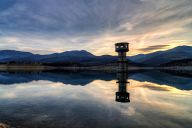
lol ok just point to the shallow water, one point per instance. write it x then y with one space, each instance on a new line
88 99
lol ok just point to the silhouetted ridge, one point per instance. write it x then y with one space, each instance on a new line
161 57
83 57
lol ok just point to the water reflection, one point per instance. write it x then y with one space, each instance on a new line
122 95
53 100
85 77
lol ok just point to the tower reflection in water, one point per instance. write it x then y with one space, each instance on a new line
122 72
122 95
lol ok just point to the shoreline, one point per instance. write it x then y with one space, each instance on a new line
92 68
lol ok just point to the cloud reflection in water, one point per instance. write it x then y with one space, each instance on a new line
93 105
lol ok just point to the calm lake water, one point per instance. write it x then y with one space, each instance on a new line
88 100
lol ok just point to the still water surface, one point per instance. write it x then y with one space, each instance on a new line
88 100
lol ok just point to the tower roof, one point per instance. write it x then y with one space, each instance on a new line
122 43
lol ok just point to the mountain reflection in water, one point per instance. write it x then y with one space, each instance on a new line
85 77
88 99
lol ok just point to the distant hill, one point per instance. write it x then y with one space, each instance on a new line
67 58
162 57
82 57
11 55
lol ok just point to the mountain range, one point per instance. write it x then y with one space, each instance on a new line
85 58
163 57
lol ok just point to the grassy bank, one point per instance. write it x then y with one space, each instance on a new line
43 68
93 68
24 67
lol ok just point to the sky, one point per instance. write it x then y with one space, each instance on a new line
49 26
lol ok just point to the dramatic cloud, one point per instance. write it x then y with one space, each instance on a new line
45 26
154 47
